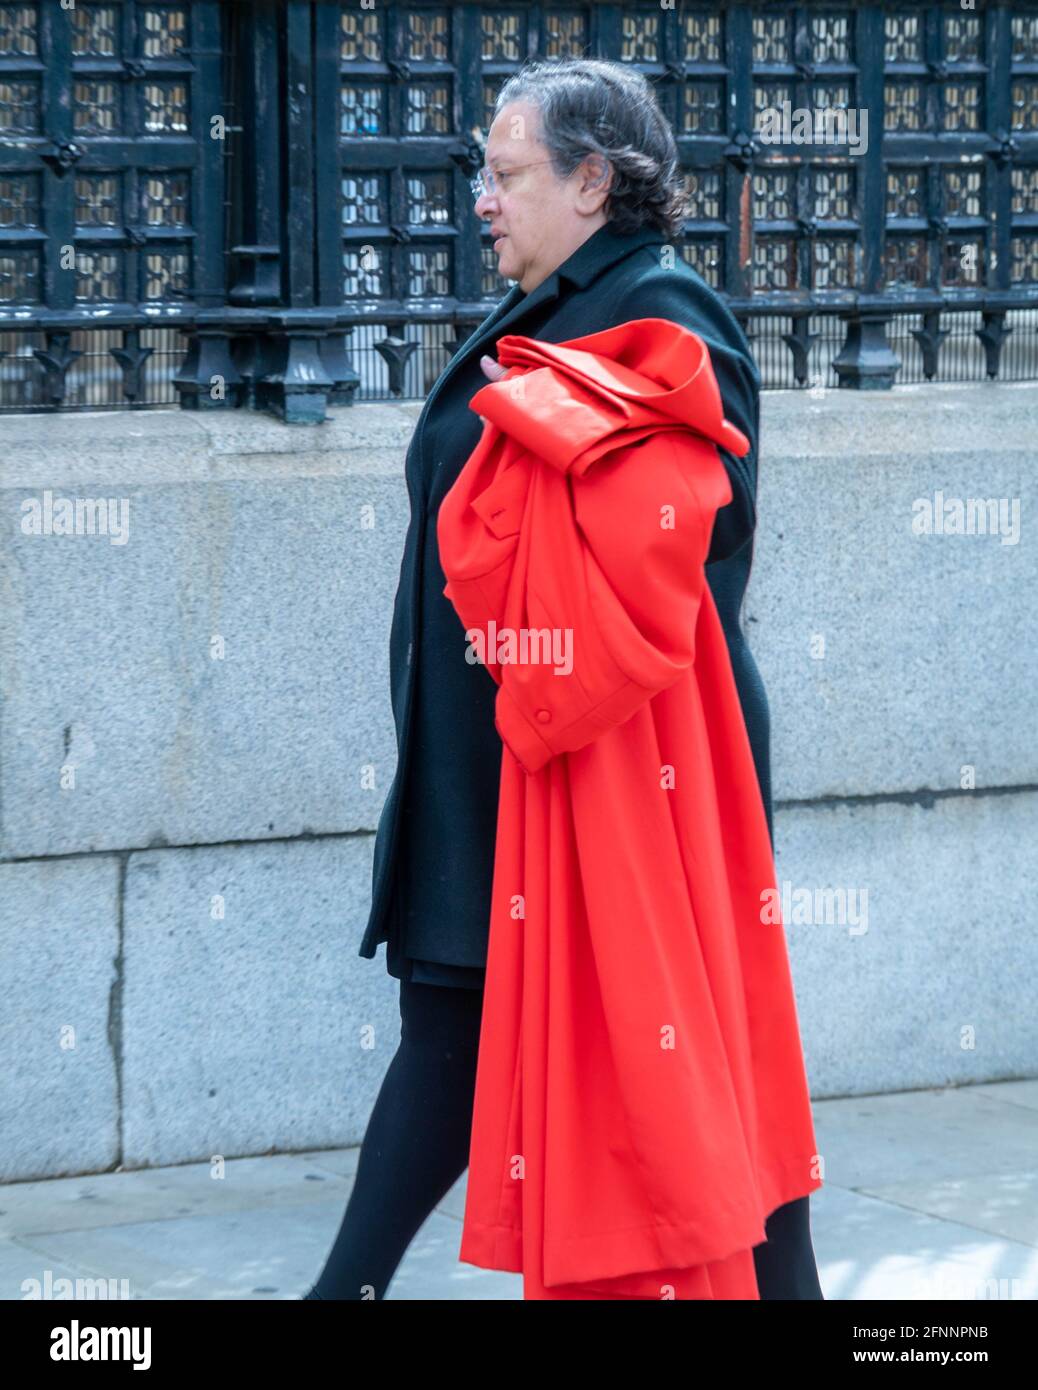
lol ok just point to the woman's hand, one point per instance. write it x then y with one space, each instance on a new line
492 369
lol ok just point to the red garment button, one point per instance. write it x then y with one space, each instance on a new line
543 716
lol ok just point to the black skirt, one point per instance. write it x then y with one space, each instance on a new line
406 907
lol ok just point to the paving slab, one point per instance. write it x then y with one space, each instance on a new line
928 1195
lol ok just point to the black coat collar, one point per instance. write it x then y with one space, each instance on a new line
602 249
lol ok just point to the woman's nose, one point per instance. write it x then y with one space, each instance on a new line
484 203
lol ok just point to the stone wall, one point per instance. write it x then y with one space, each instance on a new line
196 740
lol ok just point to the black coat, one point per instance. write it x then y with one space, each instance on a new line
434 850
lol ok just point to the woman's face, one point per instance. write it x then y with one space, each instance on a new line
540 218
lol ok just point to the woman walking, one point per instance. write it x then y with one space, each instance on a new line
581 187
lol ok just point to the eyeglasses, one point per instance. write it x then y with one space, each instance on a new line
486 181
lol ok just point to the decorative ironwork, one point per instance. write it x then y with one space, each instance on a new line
111 200
861 180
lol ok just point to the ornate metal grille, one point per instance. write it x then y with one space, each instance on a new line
110 196
266 203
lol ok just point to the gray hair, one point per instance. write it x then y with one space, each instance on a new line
589 106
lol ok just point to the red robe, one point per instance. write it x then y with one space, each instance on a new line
641 1100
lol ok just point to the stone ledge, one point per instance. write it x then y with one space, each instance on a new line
951 417
958 417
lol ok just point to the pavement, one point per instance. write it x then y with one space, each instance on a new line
928 1194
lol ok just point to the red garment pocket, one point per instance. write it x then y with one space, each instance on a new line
500 506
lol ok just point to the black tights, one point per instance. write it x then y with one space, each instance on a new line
417 1146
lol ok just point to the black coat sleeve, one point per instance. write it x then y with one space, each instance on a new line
686 300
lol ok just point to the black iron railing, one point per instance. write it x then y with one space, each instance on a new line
267 203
